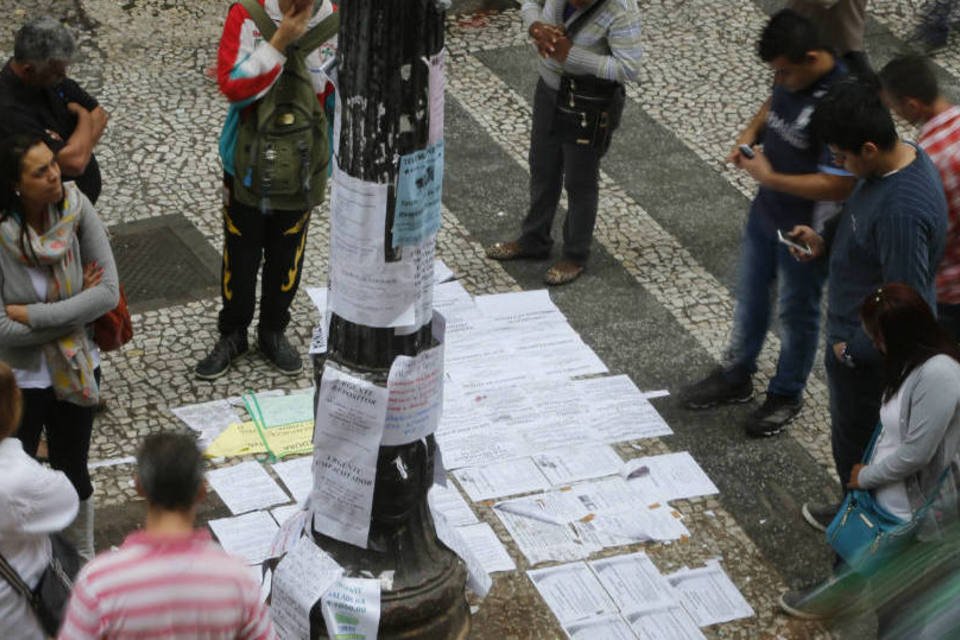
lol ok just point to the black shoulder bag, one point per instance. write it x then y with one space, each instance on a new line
588 108
49 599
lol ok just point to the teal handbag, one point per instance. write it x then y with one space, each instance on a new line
865 534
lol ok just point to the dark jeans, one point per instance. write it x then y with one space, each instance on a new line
278 240
855 397
765 262
553 166
68 427
949 317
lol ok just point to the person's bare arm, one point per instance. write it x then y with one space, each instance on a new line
75 155
812 186
99 118
751 133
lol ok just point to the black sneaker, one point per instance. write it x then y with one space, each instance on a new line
819 516
716 389
772 416
277 349
834 597
228 348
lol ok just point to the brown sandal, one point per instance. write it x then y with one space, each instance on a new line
563 272
511 250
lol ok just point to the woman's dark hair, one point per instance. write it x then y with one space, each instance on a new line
12 152
902 319
11 404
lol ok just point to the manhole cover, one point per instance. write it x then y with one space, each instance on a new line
164 261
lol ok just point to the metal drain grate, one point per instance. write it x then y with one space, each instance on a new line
164 261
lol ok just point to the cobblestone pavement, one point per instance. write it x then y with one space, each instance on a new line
656 302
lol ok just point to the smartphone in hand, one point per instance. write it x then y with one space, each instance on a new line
747 150
802 248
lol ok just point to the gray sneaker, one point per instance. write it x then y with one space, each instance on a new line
819 516
773 415
227 349
834 597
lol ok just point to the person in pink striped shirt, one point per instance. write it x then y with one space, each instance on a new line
168 580
911 90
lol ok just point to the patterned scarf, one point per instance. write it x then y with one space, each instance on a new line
68 357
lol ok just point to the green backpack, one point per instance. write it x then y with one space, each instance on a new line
282 149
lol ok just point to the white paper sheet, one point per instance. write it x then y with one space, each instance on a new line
563 466
209 419
436 83
448 501
415 388
633 582
572 592
639 524
672 476
478 579
619 410
501 479
350 418
301 579
297 475
282 514
248 536
608 627
351 609
487 547
291 529
364 288
441 272
245 487
539 526
664 623
521 307
709 596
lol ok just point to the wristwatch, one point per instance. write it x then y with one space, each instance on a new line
845 356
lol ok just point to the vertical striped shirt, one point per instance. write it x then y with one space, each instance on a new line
607 47
182 588
940 138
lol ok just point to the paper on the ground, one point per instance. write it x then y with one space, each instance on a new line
448 501
501 479
487 548
318 295
209 419
350 417
633 582
539 526
638 524
619 410
607 627
563 466
301 579
669 622
708 595
416 216
415 397
291 529
351 609
436 83
245 487
248 536
364 287
282 514
283 410
520 307
478 579
572 592
297 475
672 476
111 462
245 439
441 272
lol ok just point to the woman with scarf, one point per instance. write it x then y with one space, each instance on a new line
57 275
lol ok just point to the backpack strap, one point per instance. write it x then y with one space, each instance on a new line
260 18
580 21
320 33
16 582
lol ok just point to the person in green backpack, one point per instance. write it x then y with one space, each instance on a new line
275 153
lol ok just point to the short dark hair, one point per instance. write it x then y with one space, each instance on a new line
170 470
790 35
910 332
43 39
911 76
851 115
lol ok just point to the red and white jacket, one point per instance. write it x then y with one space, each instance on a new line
247 66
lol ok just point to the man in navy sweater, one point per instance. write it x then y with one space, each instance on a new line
891 229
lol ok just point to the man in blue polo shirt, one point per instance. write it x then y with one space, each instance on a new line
797 178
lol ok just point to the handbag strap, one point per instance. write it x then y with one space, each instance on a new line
581 20
11 576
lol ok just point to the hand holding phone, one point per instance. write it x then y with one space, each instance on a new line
747 151
795 245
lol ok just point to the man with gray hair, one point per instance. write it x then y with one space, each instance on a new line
37 97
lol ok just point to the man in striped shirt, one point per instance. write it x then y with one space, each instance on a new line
911 89
168 580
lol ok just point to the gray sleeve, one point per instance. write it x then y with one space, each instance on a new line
531 11
89 304
933 404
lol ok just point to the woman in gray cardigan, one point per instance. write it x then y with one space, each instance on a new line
57 275
919 440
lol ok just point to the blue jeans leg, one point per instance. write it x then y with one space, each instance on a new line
801 285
